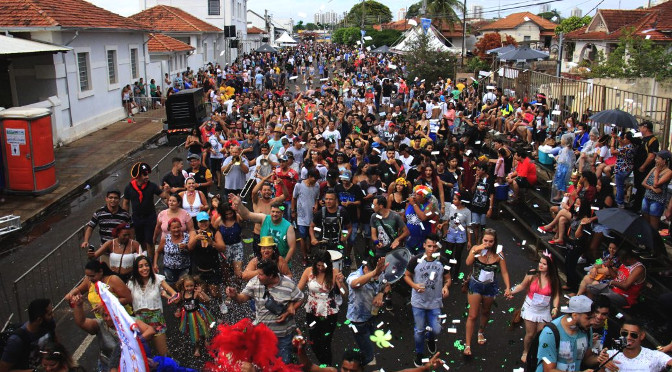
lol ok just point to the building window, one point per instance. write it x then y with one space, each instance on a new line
83 66
213 7
112 66
134 63
527 38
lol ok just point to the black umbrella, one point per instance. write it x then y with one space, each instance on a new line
631 224
617 117
523 53
382 49
266 49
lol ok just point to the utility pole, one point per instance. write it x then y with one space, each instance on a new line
560 42
464 33
423 10
361 33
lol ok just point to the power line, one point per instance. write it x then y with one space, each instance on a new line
598 4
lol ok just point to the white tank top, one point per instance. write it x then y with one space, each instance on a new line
123 260
192 209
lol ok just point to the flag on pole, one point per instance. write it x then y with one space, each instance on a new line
426 24
133 358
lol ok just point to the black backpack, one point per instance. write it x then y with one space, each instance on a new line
532 362
16 329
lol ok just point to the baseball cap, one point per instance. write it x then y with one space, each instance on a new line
332 173
194 156
578 304
346 175
282 157
664 154
202 216
646 123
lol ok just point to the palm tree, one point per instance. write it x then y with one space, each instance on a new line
444 9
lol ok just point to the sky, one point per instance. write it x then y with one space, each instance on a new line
305 9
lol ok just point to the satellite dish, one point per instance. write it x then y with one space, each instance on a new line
396 261
412 22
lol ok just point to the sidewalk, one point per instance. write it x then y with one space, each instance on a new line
78 162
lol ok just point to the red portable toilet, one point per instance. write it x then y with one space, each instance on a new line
28 151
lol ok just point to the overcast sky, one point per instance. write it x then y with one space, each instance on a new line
304 9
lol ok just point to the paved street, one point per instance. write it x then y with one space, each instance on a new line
503 346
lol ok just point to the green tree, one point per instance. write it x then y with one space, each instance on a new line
477 64
572 23
444 9
299 26
550 16
414 10
374 13
346 35
427 63
439 9
311 26
384 37
634 57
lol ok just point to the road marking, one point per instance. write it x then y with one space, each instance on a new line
82 348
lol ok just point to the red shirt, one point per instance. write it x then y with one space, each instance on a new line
527 169
290 178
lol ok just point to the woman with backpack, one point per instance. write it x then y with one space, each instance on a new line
542 301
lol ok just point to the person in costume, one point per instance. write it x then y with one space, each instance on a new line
194 317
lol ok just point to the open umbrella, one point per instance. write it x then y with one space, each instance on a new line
631 224
266 49
382 49
501 50
522 53
617 117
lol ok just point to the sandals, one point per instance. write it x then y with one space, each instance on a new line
543 229
481 338
467 350
556 242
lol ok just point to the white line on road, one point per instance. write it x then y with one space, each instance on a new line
82 348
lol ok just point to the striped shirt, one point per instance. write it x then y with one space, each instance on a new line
284 292
107 221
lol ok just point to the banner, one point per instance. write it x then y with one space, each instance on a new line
426 24
363 32
133 358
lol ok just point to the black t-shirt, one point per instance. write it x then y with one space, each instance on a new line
205 258
366 209
22 348
333 225
480 202
144 208
353 194
173 180
388 173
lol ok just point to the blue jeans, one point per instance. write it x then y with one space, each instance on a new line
363 340
173 275
353 236
287 214
285 347
425 318
620 178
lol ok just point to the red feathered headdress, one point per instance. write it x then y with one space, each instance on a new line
246 342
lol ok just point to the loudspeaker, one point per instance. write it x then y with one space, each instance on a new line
233 43
229 31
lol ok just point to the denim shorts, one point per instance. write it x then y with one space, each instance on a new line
487 290
172 275
652 208
478 218
303 231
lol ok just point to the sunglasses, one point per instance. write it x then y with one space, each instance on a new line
633 335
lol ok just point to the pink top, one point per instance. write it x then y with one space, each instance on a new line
500 170
534 288
163 218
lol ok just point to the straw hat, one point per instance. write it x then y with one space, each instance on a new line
266 241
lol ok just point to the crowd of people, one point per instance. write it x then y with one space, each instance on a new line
332 150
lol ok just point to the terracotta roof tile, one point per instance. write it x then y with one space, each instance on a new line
255 31
514 20
160 43
61 14
617 18
170 19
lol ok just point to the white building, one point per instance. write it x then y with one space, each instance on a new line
82 87
544 8
327 18
401 13
476 12
206 39
274 27
167 55
218 13
576 12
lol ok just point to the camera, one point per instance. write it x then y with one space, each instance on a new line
620 343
